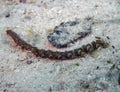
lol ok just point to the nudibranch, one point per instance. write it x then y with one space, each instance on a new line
57 55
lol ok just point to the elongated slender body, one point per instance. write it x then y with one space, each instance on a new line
56 55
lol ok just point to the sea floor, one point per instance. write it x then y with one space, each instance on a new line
33 20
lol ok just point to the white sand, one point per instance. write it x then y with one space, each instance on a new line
32 22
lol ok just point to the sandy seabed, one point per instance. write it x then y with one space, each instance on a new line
33 20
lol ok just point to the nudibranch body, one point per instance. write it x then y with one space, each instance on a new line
69 32
57 55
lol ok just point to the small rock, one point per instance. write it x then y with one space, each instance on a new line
29 62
